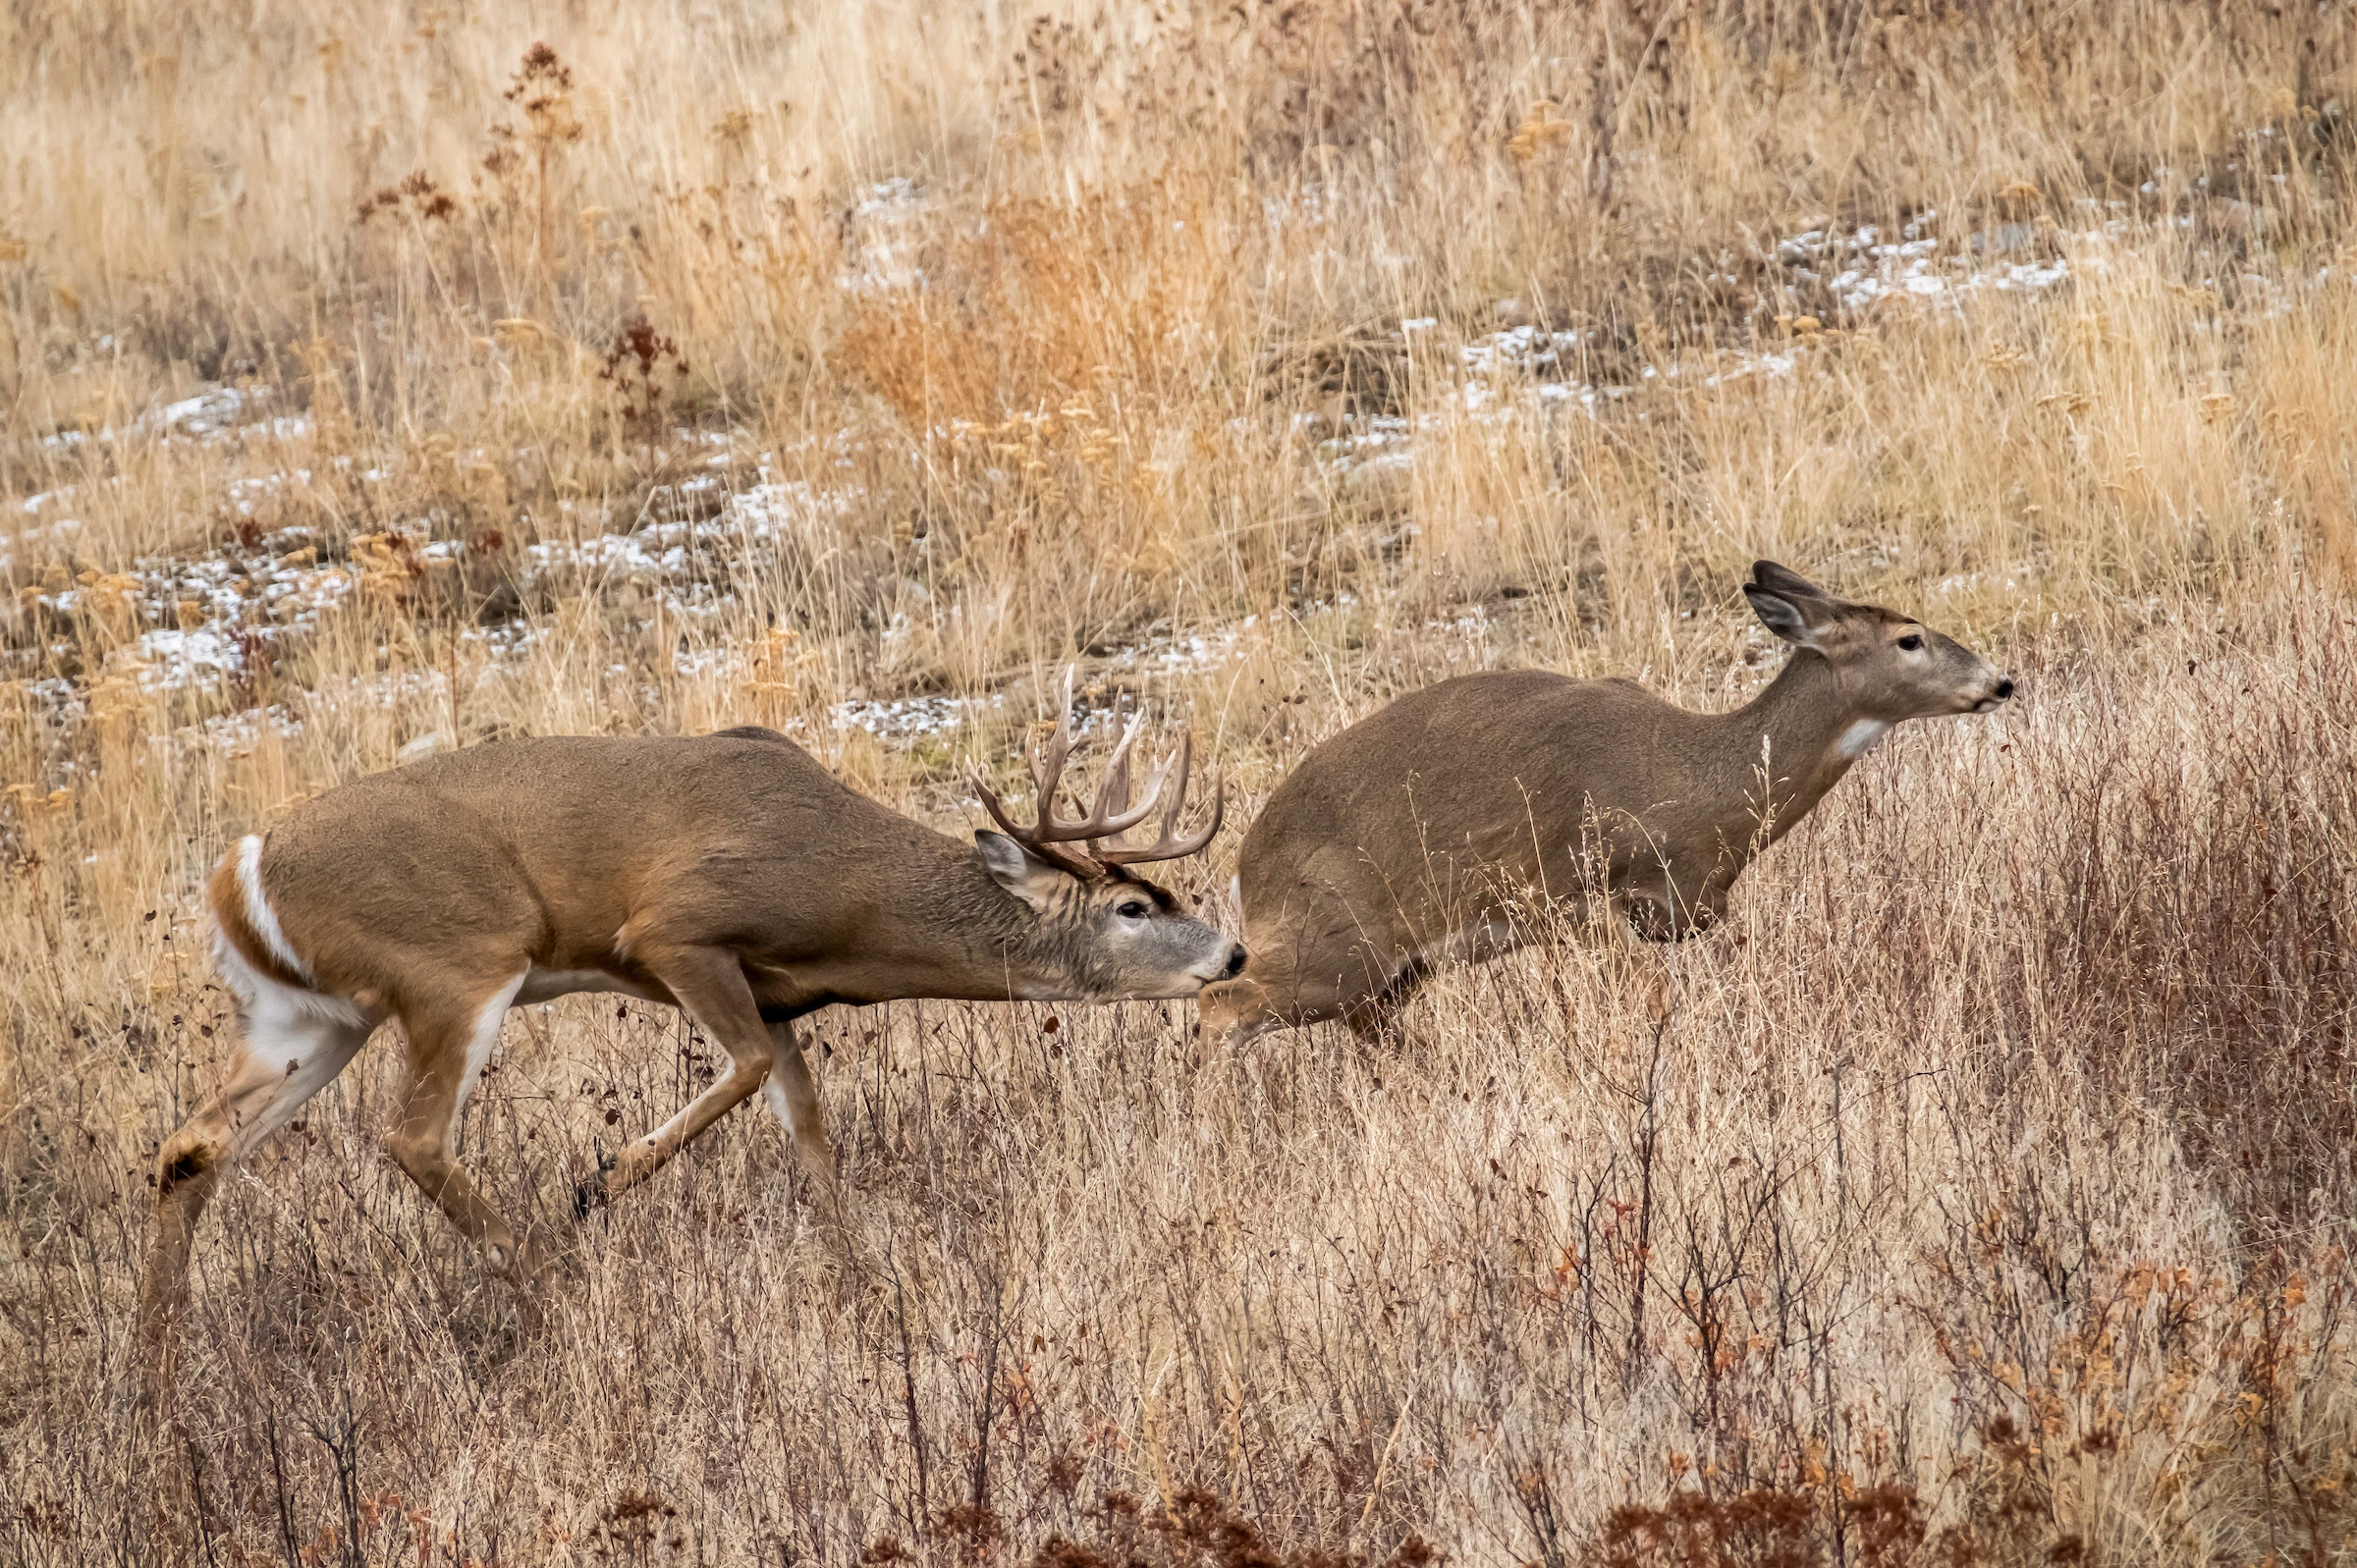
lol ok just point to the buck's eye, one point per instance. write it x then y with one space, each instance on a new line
1132 910
1912 642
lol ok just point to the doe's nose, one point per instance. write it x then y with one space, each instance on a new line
2005 688
1236 961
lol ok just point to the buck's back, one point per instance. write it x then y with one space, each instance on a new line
579 823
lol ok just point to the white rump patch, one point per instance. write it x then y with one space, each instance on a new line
298 1039
268 1002
479 1044
260 918
1862 736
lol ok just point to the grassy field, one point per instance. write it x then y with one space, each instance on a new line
376 383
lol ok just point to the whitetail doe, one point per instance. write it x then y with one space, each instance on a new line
727 874
1434 829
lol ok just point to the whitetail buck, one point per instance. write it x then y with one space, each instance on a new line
729 875
1432 830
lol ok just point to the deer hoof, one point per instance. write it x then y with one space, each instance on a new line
590 1191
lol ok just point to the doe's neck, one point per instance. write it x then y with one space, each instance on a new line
1805 730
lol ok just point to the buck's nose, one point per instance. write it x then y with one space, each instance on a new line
1236 961
2005 688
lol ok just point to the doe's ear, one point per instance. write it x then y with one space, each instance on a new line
1796 618
1785 580
1018 870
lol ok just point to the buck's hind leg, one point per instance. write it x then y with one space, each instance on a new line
290 1045
449 1044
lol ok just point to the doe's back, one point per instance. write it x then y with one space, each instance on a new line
1482 775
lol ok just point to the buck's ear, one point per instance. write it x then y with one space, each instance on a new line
1018 870
1798 619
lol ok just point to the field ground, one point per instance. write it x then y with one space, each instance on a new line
373 385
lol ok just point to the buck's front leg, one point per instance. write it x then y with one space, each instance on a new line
709 984
794 1097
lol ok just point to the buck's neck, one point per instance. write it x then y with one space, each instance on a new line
1804 732
955 934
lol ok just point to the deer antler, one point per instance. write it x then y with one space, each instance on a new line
1166 845
1112 816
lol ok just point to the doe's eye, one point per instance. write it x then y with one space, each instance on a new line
1132 910
1912 642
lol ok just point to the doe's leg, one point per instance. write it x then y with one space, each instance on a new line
1374 1015
1376 1020
1232 1013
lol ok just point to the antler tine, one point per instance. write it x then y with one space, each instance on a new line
1168 846
1120 772
1113 801
1112 796
1112 816
1047 762
1030 838
1109 820
997 807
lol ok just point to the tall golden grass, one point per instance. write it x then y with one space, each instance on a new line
385 380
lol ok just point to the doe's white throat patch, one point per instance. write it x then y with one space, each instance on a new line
1862 736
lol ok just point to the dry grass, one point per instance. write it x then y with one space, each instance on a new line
1979 1195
